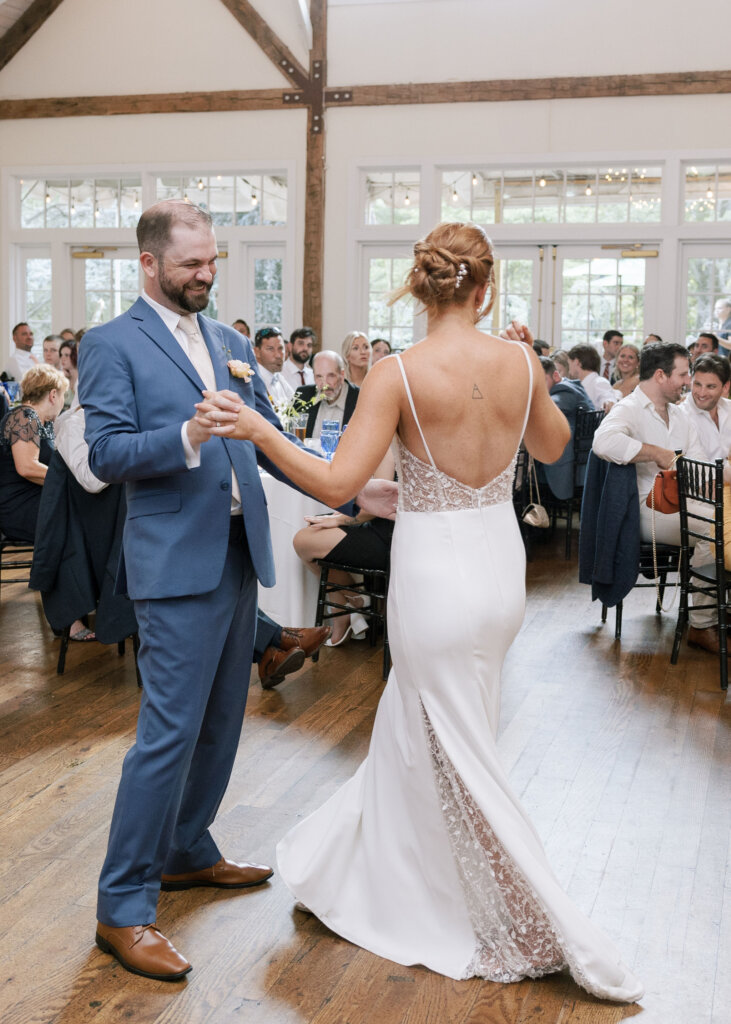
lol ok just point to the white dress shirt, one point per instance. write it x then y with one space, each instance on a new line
635 421
73 449
293 374
715 440
330 411
19 363
599 390
280 391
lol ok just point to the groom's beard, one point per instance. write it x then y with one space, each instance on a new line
191 298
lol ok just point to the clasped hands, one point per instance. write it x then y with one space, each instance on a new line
223 414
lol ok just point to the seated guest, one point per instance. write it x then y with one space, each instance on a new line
561 360
4 402
279 650
363 541
269 352
705 342
356 351
69 353
584 363
22 357
627 371
242 327
27 442
650 339
708 405
338 395
51 353
569 396
722 313
68 334
297 370
608 349
541 348
646 429
379 348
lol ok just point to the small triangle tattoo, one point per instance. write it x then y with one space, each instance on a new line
476 393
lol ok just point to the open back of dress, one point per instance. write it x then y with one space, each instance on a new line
425 855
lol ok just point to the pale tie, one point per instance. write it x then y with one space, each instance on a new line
198 352
200 357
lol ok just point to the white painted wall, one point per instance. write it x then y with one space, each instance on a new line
461 40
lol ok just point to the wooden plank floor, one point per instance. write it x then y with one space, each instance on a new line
621 759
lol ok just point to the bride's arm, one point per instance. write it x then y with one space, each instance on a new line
357 457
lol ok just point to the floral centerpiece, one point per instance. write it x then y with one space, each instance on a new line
291 410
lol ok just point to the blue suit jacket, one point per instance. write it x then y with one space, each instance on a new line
569 396
137 387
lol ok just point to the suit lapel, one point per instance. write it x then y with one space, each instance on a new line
152 326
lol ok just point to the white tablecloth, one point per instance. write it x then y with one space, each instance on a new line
293 601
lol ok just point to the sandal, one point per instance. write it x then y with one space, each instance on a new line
82 636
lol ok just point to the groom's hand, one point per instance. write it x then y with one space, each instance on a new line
218 409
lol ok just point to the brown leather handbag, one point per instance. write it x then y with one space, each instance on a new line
663 496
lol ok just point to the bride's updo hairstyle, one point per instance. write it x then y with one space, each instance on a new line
449 263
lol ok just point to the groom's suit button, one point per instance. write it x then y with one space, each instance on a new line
225 486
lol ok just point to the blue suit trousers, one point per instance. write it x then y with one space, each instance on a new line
194 659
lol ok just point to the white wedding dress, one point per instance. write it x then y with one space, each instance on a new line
425 855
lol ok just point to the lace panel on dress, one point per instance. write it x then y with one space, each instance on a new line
422 488
514 937
24 424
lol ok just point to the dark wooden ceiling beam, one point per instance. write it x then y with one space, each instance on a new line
683 83
314 252
26 26
250 19
162 103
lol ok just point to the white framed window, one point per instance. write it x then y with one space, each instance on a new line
707 195
707 277
385 270
57 202
35 279
590 194
232 199
392 196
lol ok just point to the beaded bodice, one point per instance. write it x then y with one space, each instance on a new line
424 488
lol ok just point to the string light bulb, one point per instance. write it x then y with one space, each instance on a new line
407 200
137 202
474 179
48 199
455 196
709 194
254 198
587 190
201 186
542 183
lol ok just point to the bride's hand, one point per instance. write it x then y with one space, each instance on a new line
516 331
225 415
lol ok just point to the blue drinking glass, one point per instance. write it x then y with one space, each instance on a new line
328 442
13 389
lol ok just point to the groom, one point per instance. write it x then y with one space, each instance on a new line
196 540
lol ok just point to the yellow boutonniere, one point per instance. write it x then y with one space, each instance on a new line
240 369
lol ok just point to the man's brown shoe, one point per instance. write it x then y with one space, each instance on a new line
707 639
226 874
310 640
276 664
143 949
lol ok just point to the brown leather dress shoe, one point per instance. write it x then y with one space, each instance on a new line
707 639
310 640
143 949
226 874
276 664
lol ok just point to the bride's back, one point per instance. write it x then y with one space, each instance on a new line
470 392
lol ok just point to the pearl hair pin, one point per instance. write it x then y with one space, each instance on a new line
461 275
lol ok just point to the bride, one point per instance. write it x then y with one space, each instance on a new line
425 855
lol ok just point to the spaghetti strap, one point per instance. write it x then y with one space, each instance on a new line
413 412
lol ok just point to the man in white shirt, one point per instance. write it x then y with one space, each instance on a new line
646 428
705 342
610 345
22 357
708 405
584 365
297 370
269 351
